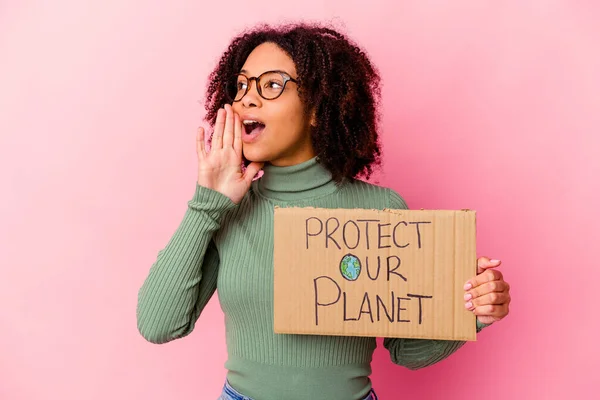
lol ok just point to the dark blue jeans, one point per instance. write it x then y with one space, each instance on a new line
230 393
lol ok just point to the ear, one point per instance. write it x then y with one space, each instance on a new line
313 118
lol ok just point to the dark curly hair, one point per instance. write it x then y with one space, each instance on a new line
336 81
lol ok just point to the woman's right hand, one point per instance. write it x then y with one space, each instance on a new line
220 168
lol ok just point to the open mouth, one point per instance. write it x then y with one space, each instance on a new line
253 127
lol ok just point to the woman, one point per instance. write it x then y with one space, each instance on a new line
300 102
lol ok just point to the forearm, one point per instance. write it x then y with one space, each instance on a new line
183 277
420 353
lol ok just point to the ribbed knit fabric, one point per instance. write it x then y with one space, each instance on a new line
230 247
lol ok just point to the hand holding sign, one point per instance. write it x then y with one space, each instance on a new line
487 294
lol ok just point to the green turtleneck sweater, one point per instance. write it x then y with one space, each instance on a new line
229 247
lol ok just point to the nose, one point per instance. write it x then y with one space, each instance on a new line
252 98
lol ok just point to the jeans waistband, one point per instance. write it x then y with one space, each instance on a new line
230 393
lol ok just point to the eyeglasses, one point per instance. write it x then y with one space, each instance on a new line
270 85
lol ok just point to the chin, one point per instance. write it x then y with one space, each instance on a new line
252 155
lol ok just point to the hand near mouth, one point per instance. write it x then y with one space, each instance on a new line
220 169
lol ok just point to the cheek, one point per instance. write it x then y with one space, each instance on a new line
236 107
295 118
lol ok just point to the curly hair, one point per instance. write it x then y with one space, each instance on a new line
336 81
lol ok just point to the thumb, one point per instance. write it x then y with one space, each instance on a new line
251 171
484 263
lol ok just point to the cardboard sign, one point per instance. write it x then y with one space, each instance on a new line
391 273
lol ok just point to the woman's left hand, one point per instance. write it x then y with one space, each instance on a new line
487 294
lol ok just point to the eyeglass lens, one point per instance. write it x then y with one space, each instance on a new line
270 86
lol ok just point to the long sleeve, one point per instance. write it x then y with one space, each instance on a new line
184 276
419 353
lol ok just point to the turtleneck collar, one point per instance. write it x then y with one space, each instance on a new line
296 182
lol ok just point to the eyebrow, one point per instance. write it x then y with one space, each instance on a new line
243 71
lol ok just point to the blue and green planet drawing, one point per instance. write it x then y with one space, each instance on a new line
350 267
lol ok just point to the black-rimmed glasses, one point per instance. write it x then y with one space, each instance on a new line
270 85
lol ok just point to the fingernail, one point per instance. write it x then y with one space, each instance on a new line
468 305
258 175
468 286
468 296
494 261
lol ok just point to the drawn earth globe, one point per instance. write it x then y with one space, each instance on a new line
350 267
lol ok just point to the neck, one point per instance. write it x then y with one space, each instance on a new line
295 182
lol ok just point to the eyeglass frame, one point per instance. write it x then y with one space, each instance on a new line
286 78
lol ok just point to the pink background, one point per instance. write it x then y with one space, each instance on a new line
493 106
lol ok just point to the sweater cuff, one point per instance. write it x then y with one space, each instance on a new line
481 326
210 201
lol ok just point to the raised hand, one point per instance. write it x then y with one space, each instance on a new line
220 168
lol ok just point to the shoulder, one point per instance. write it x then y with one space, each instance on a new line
382 196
